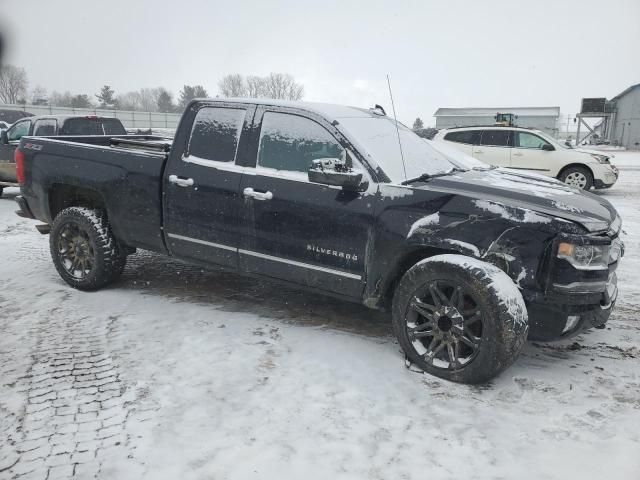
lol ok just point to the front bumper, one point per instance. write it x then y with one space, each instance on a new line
557 316
604 175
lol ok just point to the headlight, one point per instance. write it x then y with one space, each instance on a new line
600 158
585 257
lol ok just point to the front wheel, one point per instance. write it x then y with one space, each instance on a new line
84 250
577 177
459 318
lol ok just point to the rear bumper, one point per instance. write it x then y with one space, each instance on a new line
24 210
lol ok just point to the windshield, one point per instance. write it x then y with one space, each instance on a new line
379 137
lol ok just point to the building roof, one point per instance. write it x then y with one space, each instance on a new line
483 112
623 93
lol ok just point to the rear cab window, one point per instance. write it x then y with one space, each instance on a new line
92 126
290 142
215 134
496 138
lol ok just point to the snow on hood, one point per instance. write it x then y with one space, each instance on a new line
546 196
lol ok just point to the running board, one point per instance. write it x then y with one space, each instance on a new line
44 228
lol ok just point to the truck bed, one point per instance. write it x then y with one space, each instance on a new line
126 172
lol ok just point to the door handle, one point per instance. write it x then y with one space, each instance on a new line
479 151
181 182
518 154
250 192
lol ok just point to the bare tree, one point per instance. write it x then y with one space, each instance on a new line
283 86
58 99
129 101
232 86
149 99
145 100
255 86
13 84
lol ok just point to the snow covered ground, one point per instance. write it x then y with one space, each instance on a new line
175 372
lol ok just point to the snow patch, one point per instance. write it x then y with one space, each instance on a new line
432 219
466 245
529 215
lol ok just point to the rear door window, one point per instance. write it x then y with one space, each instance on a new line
496 138
471 137
291 142
45 127
216 133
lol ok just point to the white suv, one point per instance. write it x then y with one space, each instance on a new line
533 151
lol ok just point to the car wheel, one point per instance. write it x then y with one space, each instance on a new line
459 318
577 177
84 250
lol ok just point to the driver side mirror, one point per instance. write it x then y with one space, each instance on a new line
335 171
548 147
4 138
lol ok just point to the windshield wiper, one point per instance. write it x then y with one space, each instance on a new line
428 176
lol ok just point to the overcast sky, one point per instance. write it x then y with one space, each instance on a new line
439 53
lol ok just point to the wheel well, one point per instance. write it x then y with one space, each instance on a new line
64 196
406 262
581 165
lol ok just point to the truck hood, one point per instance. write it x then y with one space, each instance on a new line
532 192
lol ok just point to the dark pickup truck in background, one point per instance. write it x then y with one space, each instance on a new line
49 125
469 260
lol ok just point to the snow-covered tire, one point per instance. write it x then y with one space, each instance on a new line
84 251
451 305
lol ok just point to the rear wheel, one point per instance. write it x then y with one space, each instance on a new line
577 177
459 318
84 250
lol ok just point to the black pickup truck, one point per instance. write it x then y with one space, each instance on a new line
470 260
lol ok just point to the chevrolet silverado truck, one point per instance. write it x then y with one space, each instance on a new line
469 260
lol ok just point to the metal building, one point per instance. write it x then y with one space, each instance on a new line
541 118
625 124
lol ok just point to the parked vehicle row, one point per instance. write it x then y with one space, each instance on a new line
469 260
39 126
533 151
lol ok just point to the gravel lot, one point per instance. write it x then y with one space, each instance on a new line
175 372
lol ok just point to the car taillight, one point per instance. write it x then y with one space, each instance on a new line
18 156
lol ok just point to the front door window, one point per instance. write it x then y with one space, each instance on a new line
292 143
18 131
